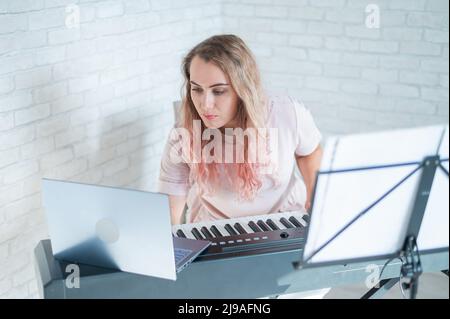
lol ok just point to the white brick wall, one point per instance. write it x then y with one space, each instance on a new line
93 103
352 77
87 104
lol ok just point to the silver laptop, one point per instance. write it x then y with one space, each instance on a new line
117 228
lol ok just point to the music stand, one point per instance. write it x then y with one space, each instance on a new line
381 195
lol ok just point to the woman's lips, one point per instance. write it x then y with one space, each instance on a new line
210 116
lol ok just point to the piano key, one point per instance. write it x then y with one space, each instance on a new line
244 223
286 223
187 231
295 222
230 230
279 224
306 218
196 233
254 227
239 228
299 217
275 221
206 232
215 231
271 224
180 233
278 217
221 227
263 225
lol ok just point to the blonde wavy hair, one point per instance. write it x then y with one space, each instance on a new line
234 58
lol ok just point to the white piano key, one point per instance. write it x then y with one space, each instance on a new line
303 222
232 225
278 223
240 223
255 220
219 225
298 215
265 218
265 221
187 230
175 229
199 227
244 223
286 216
221 228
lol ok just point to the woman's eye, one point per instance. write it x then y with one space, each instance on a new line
198 90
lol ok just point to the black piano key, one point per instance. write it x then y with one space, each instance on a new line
294 221
272 224
263 225
306 218
196 233
254 227
286 223
240 229
206 232
181 234
230 230
215 231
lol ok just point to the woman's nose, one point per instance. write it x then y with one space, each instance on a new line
208 102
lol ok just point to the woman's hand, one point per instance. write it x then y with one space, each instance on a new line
177 204
307 205
308 166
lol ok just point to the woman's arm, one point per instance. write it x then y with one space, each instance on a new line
309 165
176 208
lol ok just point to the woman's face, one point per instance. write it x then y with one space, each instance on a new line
213 95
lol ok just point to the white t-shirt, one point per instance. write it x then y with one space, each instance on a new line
297 135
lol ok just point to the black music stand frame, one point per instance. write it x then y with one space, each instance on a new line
409 253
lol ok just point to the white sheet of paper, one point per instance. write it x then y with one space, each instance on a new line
341 197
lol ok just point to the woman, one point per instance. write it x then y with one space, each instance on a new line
223 91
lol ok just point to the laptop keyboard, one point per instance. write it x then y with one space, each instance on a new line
180 254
